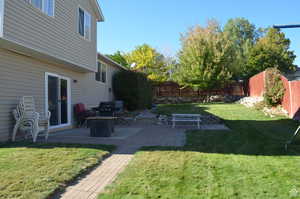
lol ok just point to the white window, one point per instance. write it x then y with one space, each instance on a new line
84 23
101 74
37 3
46 6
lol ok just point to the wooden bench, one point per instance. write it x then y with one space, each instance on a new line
186 118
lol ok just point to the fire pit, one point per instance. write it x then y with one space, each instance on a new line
101 126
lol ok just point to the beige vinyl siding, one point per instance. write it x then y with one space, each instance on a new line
57 36
93 86
23 76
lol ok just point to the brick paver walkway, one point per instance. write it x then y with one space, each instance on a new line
95 182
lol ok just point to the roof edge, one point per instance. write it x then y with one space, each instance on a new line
103 57
99 12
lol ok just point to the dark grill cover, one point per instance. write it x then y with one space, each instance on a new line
106 108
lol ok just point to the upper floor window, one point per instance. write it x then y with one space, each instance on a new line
84 23
101 74
46 6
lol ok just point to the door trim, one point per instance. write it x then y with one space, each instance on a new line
47 74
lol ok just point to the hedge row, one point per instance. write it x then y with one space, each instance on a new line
133 88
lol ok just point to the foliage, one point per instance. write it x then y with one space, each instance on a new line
36 171
133 88
260 106
119 58
205 58
147 60
241 30
243 34
171 66
272 50
246 162
274 89
143 58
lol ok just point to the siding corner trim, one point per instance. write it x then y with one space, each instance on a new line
1 16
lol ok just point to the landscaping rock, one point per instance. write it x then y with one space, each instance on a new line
273 111
250 101
199 99
146 114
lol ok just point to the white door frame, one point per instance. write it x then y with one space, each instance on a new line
69 98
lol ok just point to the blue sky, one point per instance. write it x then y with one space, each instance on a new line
129 23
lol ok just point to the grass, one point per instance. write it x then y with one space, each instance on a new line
36 171
247 162
180 108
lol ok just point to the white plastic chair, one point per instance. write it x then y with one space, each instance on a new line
28 120
24 125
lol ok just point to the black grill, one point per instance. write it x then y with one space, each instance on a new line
107 109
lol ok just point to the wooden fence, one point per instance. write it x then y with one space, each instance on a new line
291 98
172 89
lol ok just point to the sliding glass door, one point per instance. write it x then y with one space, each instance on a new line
58 99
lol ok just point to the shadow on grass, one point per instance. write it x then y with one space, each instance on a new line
181 109
28 144
251 132
246 137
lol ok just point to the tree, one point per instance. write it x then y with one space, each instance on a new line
171 67
119 58
205 58
244 35
146 59
274 88
272 50
240 31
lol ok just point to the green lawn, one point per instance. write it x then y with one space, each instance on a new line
245 163
33 171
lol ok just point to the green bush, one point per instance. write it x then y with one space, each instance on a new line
133 88
274 88
260 106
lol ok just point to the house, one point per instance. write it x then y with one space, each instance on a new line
48 49
291 98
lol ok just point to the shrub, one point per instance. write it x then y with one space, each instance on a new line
260 106
274 89
133 88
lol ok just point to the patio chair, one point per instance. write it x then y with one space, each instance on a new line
81 113
119 113
119 107
29 121
22 124
113 109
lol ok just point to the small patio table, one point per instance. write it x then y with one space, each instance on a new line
101 126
